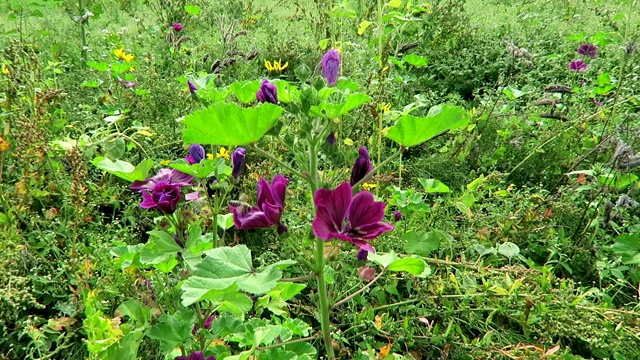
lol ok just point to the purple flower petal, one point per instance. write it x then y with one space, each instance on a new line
588 50
578 66
362 167
331 66
192 196
365 210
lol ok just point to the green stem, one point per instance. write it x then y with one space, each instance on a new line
320 264
359 291
280 162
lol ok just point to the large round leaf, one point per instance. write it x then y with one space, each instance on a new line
412 130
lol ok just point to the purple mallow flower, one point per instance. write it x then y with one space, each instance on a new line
588 50
349 218
331 66
164 196
196 355
237 161
128 84
361 167
268 92
269 209
171 176
397 215
207 323
362 255
578 66
177 26
196 154
331 139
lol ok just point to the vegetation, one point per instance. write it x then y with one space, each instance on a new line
302 179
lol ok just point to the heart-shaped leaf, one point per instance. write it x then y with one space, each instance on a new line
412 130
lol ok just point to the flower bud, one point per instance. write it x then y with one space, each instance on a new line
268 92
366 273
331 66
237 161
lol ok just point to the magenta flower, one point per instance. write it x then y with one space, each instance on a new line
170 176
192 87
397 215
196 154
128 84
270 206
164 196
361 167
207 323
362 255
331 66
196 355
237 161
268 92
349 218
588 50
578 66
177 26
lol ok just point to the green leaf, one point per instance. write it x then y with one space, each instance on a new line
138 314
225 222
114 149
330 110
323 44
224 270
172 331
123 169
383 260
627 246
192 9
245 91
509 249
237 303
100 66
92 83
204 169
421 243
394 4
433 186
363 26
411 265
161 251
416 60
412 130
229 124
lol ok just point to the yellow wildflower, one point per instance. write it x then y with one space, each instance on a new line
5 69
384 107
165 162
132 69
120 54
277 65
210 156
223 153
4 144
368 186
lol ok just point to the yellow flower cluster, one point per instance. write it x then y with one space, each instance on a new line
277 65
368 186
384 107
120 54
223 153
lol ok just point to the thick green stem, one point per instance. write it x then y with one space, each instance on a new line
278 161
320 264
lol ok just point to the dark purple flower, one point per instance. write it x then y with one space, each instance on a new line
349 218
361 167
397 215
207 323
362 255
269 209
237 161
177 26
366 273
268 92
588 50
196 355
176 238
331 66
578 65
164 196
192 87
331 139
128 84
171 176
196 154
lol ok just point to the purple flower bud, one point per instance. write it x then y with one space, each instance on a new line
268 92
177 26
578 66
207 323
196 154
237 161
588 50
331 139
192 87
176 238
128 84
361 167
397 215
366 273
362 255
331 66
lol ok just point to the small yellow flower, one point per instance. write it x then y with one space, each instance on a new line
120 54
277 65
210 156
223 153
132 69
384 107
165 162
369 186
5 69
